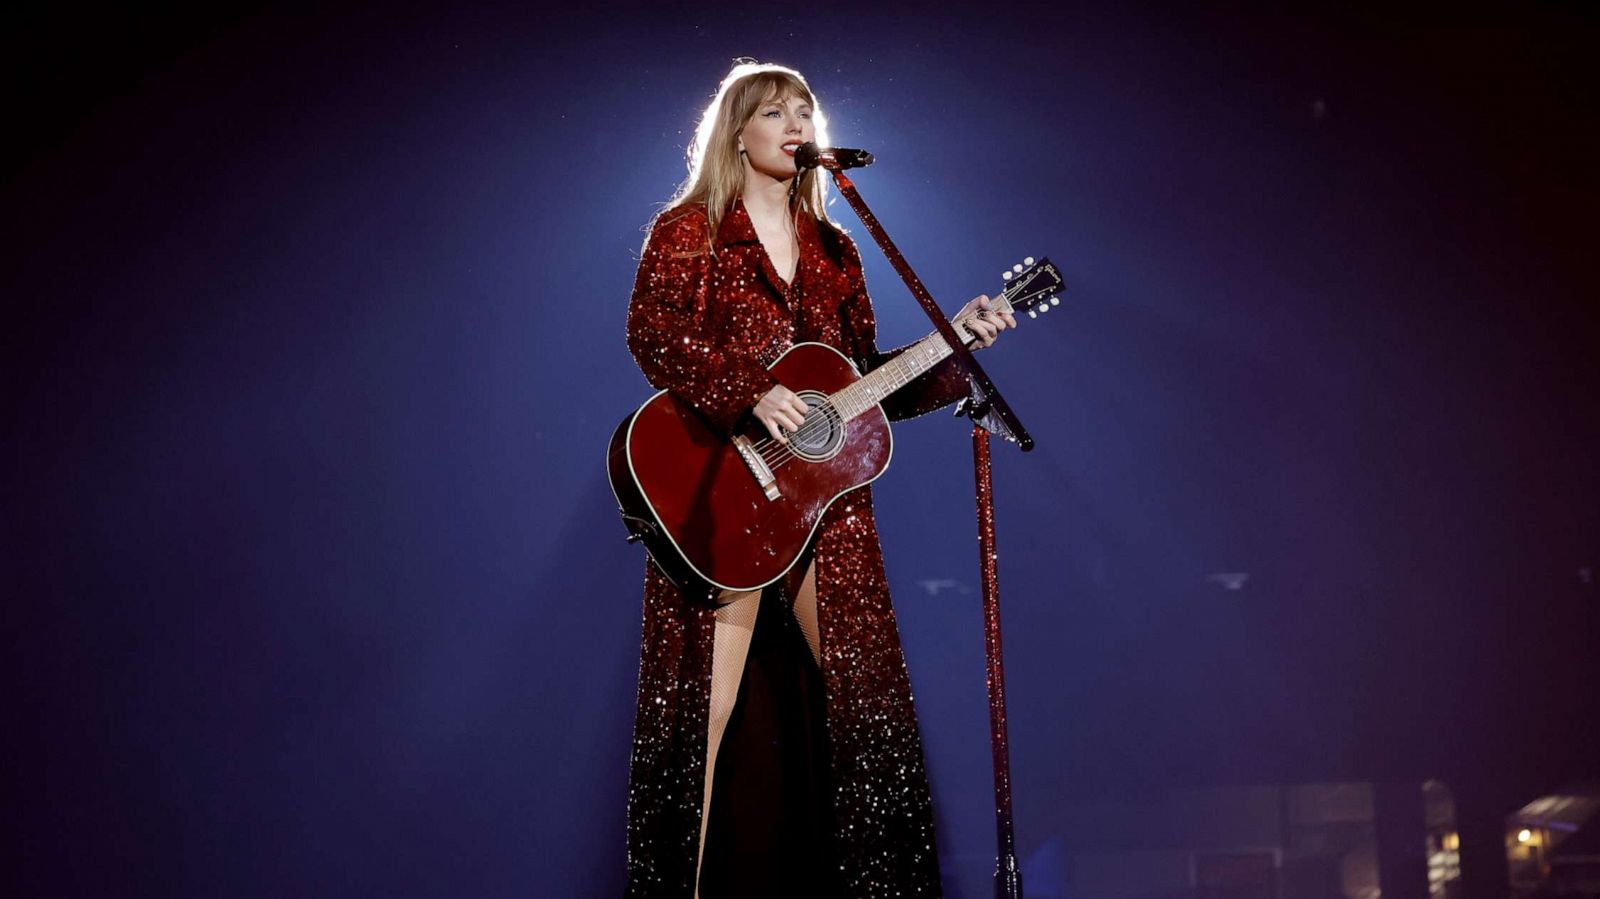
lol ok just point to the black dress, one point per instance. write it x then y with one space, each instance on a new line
770 832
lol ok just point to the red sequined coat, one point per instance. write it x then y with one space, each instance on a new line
706 326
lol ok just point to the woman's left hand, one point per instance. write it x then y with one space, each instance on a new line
983 322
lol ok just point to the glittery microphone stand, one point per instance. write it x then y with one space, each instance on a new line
1007 876
990 415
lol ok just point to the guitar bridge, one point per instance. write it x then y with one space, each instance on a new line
758 467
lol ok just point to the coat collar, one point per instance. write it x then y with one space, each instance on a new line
737 229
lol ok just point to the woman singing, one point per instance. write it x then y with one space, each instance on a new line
775 745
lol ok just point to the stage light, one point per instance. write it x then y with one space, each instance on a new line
1524 835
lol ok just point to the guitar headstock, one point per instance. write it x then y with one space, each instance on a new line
1031 287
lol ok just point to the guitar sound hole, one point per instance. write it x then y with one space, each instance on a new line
822 434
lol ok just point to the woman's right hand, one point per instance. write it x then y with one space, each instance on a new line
780 408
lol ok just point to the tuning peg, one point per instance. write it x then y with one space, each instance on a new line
1028 261
1017 268
1044 307
1033 313
1055 301
1005 276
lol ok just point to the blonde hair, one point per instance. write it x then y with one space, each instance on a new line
716 172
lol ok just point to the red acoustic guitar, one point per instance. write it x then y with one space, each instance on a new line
736 513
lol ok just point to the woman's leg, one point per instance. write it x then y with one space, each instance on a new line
805 612
769 829
736 621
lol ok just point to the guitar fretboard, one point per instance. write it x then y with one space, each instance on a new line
895 374
1031 288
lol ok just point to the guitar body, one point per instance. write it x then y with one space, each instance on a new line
701 507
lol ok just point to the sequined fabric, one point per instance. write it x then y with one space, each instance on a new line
705 326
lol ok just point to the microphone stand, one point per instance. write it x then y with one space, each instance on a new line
990 415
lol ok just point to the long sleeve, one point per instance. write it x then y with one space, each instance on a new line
668 329
935 388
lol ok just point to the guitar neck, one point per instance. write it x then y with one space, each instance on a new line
884 380
1029 291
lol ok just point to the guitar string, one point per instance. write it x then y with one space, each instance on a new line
789 453
777 453
777 456
765 444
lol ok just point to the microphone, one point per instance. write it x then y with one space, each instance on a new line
834 159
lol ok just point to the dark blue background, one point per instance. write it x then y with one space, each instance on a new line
314 583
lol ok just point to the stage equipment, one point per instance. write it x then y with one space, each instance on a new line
990 415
